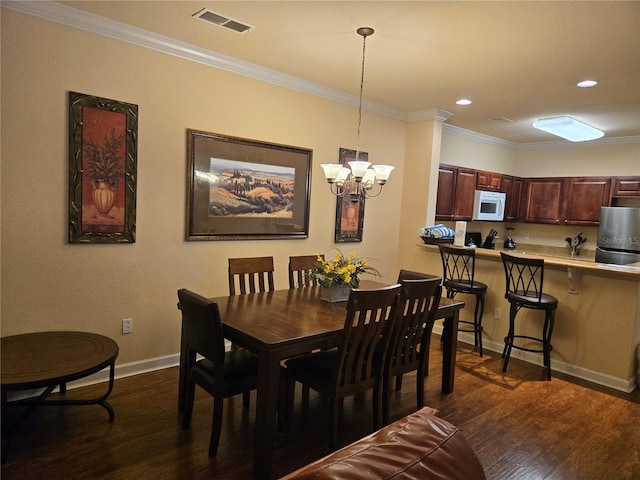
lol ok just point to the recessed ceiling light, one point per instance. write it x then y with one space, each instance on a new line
568 128
587 83
464 101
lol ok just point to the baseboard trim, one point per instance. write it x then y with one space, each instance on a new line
159 363
621 384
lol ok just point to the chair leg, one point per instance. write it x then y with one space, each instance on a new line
216 425
398 382
477 321
420 385
508 340
189 394
333 421
246 396
546 340
386 398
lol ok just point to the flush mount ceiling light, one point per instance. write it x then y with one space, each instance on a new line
587 83
464 101
357 180
568 128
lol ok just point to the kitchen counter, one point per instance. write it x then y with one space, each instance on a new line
597 329
554 257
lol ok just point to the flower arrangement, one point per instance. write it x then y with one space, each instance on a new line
342 270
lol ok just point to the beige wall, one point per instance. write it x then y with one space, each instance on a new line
48 284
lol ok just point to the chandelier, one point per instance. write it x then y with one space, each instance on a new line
359 179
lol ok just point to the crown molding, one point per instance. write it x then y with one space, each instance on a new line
75 18
478 137
98 25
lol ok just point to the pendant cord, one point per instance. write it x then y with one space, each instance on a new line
364 46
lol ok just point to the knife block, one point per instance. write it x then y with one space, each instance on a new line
488 243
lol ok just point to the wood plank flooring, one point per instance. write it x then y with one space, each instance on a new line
521 426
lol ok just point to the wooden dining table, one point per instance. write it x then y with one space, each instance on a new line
283 323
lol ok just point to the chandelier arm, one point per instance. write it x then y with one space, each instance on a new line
338 191
366 194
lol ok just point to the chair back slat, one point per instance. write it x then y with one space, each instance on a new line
250 275
361 349
458 264
409 337
300 268
523 276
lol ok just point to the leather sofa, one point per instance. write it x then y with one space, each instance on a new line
420 445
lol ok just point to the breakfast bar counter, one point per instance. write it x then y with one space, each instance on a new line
597 328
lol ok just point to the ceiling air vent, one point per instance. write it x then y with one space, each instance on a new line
222 21
500 120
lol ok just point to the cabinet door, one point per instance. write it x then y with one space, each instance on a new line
543 200
512 188
465 188
446 193
584 197
625 187
490 181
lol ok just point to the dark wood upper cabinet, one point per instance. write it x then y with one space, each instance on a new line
584 196
625 187
543 200
455 193
490 181
512 188
566 200
554 200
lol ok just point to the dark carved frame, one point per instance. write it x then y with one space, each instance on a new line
343 233
79 232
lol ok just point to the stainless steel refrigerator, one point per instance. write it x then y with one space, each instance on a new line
619 235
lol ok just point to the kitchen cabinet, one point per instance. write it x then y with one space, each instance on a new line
543 200
566 200
490 181
584 196
456 186
625 187
512 188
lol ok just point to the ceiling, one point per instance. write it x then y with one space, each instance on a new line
515 60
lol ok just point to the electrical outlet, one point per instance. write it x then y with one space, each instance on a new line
496 312
127 325
526 236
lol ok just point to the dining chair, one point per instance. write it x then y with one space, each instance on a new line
410 334
221 374
524 279
459 267
411 275
250 275
356 364
300 268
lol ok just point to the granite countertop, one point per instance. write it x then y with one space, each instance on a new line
554 256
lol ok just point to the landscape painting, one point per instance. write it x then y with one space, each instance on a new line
241 189
250 189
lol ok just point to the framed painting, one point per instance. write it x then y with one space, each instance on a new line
349 210
103 137
241 189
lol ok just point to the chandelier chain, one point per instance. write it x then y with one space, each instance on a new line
364 46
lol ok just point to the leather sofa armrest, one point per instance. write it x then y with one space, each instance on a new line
419 445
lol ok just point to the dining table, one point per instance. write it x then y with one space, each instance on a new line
280 324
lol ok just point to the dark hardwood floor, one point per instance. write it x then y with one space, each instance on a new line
521 426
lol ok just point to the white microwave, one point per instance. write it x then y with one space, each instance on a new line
488 205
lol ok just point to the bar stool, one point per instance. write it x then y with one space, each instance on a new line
459 266
524 277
